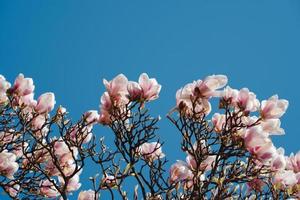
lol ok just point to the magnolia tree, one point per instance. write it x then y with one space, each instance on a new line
229 154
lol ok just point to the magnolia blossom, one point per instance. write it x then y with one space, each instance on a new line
185 100
23 86
278 162
258 143
91 117
293 162
45 103
207 88
285 178
273 108
4 86
218 121
180 171
87 195
247 100
117 88
8 164
13 189
149 86
230 95
83 135
151 151
272 126
48 189
73 183
205 165
105 108
134 90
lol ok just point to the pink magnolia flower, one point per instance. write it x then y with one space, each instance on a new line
285 178
105 108
7 137
293 162
117 88
45 103
207 88
273 108
38 122
83 135
48 189
4 86
27 100
247 100
13 189
257 142
231 95
73 183
8 164
134 90
149 86
151 151
87 195
180 171
205 165
272 126
278 162
91 117
23 86
185 98
218 121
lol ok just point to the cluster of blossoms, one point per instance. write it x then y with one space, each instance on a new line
257 121
120 92
224 150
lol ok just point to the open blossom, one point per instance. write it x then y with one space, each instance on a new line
91 117
207 88
134 90
117 88
47 189
8 164
149 86
83 135
285 178
4 86
151 151
185 100
23 86
73 183
278 162
293 162
247 100
258 143
273 108
87 195
180 171
218 121
272 126
230 95
45 103
205 165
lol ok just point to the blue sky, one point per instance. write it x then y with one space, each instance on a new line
68 47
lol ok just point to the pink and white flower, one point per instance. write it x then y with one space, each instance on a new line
48 189
207 88
149 86
151 151
285 178
293 162
45 103
247 100
87 195
4 86
134 90
117 88
218 121
8 164
23 86
273 108
180 171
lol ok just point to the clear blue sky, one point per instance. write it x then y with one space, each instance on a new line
69 46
